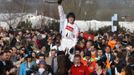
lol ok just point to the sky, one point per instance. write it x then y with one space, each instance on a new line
121 7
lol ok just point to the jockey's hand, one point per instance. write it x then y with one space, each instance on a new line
59 2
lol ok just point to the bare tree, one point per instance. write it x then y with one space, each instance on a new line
14 12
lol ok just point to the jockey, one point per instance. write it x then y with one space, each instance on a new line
68 28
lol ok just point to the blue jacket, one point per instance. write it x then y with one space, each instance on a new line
23 67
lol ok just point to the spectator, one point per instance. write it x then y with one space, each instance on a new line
14 57
9 63
64 65
100 55
89 62
42 50
26 67
3 63
78 68
100 69
34 56
43 69
52 60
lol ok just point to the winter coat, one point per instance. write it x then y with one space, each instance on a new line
23 67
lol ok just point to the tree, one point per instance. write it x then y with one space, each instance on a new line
24 25
12 17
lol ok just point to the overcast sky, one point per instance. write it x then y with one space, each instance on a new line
102 3
122 7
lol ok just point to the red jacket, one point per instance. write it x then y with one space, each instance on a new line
80 70
86 36
91 67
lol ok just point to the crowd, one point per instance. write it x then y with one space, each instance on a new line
35 52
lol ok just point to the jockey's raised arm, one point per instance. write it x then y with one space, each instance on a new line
62 16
